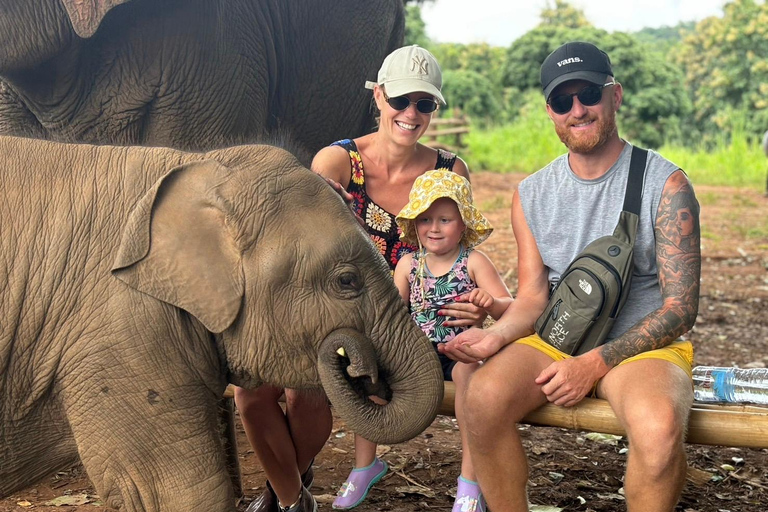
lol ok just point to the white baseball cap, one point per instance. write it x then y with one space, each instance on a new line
410 69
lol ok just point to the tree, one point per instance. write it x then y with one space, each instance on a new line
473 93
563 14
415 28
725 63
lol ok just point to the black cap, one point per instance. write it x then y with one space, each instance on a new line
575 61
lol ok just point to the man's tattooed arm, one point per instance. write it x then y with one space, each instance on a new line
678 257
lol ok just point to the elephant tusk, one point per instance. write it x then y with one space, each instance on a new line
342 352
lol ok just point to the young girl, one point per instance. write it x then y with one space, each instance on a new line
441 220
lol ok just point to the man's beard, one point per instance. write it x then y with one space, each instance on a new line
586 144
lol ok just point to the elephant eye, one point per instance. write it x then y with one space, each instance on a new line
349 281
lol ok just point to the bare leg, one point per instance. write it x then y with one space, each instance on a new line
460 375
310 421
652 399
285 445
365 452
501 392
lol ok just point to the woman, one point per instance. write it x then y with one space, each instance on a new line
377 170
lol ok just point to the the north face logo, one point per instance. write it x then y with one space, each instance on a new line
572 60
420 65
585 286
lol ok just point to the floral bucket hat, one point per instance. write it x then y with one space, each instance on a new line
431 186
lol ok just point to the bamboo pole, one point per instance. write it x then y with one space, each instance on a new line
719 425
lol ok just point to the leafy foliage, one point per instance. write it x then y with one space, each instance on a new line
415 28
694 85
663 39
473 93
725 62
563 14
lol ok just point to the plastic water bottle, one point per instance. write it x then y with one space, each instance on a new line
714 384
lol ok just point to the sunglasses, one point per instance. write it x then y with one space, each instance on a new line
588 96
400 103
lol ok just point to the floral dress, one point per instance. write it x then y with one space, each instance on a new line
380 224
430 294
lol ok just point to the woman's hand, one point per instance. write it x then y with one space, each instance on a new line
346 196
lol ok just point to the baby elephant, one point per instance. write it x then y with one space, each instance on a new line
136 282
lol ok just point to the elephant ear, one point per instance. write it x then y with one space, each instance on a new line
176 246
86 15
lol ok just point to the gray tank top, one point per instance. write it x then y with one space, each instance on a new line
565 213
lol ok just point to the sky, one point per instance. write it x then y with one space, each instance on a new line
499 22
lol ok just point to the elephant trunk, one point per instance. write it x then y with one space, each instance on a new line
351 372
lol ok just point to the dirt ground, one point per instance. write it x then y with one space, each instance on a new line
569 470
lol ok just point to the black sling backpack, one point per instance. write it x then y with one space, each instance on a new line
593 289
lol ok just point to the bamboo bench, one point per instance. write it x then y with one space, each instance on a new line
710 424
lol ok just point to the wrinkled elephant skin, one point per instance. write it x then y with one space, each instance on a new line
195 74
136 282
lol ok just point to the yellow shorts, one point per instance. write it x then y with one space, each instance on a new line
679 353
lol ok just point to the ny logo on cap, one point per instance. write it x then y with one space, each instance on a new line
420 65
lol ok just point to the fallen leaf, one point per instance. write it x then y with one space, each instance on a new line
325 498
611 496
698 476
556 477
412 489
543 508
23 503
70 501
539 449
383 449
608 439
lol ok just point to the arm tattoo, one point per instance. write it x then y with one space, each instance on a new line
678 257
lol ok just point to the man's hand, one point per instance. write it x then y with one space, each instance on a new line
462 313
472 345
567 382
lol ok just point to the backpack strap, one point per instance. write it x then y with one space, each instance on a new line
634 194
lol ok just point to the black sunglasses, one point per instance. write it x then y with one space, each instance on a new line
424 105
588 96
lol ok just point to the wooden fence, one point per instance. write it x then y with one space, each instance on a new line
450 131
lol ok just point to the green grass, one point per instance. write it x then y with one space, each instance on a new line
737 163
495 203
525 145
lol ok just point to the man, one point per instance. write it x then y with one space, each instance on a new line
642 369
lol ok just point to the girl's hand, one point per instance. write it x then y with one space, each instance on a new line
479 298
462 313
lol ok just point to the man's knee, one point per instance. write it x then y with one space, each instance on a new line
486 407
462 372
656 437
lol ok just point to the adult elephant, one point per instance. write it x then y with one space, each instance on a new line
191 74
136 281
